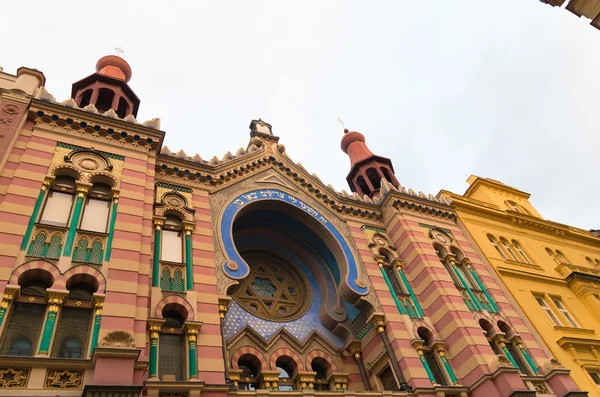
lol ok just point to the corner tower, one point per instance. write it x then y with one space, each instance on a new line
107 88
366 168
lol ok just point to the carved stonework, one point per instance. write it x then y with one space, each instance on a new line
64 379
118 338
540 387
14 377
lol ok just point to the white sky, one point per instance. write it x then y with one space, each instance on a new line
505 89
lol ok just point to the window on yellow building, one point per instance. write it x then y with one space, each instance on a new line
513 206
509 250
590 261
595 377
520 251
496 246
553 256
544 305
561 308
562 257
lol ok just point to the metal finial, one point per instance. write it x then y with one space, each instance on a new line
342 123
119 51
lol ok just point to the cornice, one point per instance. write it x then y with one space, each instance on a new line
520 220
61 118
495 185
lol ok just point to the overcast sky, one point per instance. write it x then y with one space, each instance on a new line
505 89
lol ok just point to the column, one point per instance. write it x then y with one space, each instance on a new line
111 226
158 224
398 264
9 295
306 380
36 210
99 304
465 285
82 190
379 259
419 346
442 353
355 349
192 330
380 324
223 307
481 286
499 339
154 327
189 257
55 301
523 350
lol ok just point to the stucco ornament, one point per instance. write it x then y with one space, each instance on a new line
118 338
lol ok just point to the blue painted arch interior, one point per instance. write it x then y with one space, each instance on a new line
241 202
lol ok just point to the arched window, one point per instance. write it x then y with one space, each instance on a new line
21 347
562 257
514 351
250 366
26 315
590 261
322 368
513 206
509 250
85 98
374 177
105 99
386 174
496 246
287 371
74 322
123 108
95 214
432 357
57 209
553 255
441 253
172 240
362 185
489 332
520 251
172 344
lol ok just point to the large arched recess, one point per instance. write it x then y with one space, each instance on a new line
322 233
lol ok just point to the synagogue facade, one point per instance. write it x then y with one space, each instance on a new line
127 269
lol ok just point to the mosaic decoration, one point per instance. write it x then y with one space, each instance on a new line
14 377
63 379
237 317
259 195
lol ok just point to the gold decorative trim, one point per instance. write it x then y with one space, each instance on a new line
63 379
14 377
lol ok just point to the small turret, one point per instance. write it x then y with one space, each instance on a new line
107 88
366 168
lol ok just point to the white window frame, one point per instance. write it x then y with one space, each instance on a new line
546 307
521 252
510 251
561 308
495 244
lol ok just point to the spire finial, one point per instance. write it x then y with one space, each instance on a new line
119 51
342 123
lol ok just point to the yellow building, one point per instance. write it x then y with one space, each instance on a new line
552 271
